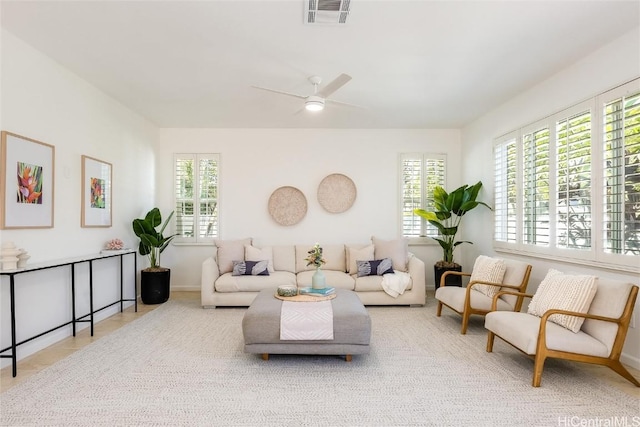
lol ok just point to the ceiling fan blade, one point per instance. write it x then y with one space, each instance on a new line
346 104
279 92
333 86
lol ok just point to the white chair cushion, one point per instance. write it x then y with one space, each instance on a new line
521 330
454 296
564 292
487 269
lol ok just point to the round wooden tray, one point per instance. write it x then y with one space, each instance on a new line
306 298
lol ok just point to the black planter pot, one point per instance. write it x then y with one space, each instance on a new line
155 286
451 280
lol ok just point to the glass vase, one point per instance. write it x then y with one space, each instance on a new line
318 280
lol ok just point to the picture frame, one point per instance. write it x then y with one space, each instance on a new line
97 193
26 182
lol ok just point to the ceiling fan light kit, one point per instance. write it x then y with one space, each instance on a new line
314 103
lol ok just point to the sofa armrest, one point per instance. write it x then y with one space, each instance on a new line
415 268
210 273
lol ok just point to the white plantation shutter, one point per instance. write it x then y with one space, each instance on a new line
621 144
420 174
536 187
505 190
196 197
573 182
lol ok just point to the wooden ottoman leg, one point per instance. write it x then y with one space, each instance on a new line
347 358
265 356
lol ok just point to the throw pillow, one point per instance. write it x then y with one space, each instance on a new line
397 250
377 267
250 268
487 269
228 251
564 292
251 253
365 254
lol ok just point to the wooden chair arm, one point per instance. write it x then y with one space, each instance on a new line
494 303
552 311
446 273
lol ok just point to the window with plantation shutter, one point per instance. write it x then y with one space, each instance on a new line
196 197
505 189
420 174
568 186
573 182
536 187
621 155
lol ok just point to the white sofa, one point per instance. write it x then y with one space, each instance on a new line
287 266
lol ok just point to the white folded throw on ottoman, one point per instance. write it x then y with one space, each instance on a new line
306 320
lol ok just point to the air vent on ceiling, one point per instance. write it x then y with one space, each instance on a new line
326 11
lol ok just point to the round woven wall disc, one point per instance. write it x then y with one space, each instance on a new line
336 193
287 205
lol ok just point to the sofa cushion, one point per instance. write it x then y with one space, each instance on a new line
362 253
336 279
334 255
397 250
251 253
250 268
376 267
229 283
229 251
564 292
487 269
284 258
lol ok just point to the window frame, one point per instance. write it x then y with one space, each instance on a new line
195 240
595 254
423 157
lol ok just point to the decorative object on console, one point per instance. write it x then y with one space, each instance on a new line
26 193
154 280
114 245
23 257
10 255
336 193
287 205
96 193
449 210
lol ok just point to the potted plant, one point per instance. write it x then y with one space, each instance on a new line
449 210
154 280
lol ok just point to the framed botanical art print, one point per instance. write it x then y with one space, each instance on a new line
96 193
26 182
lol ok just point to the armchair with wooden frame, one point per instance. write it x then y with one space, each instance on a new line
599 340
468 301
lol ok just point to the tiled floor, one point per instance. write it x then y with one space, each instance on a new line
36 362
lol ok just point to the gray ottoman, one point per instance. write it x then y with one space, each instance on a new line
351 328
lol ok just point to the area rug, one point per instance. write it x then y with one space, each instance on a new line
180 365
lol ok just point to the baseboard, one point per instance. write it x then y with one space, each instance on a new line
185 288
629 360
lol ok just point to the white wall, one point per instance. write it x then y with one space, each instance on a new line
255 162
44 101
604 69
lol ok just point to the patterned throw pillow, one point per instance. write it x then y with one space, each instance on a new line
376 267
250 268
564 292
487 269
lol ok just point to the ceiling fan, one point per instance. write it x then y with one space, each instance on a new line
316 101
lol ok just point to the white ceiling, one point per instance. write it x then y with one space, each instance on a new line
415 64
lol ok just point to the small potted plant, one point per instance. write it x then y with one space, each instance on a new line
315 258
449 210
154 280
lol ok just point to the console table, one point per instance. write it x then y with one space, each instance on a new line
72 262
